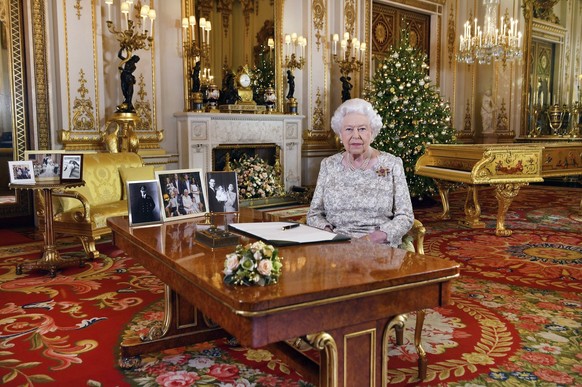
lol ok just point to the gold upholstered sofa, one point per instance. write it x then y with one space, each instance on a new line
83 211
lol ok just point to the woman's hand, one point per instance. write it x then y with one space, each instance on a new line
375 236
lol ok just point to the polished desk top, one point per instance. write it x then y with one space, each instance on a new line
314 276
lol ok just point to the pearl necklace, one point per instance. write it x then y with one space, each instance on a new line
364 164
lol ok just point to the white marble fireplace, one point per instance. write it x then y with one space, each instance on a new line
199 133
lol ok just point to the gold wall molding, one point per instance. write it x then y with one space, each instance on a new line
4 11
143 107
78 7
350 17
451 35
319 11
83 117
39 53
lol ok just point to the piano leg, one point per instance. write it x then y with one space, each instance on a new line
444 188
472 209
505 194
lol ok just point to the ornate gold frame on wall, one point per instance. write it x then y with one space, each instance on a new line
12 15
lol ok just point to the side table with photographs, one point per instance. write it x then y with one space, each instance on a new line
51 260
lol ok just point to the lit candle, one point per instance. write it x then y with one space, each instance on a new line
208 28
108 2
353 51
344 45
143 13
152 16
335 40
271 44
346 35
202 25
287 43
192 22
125 11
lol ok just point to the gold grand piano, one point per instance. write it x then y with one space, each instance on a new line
506 167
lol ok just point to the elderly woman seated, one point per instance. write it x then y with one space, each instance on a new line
361 192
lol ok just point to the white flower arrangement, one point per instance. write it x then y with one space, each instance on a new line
256 178
253 264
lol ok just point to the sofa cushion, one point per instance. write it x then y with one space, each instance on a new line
134 174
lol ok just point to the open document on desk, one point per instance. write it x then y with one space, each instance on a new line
279 233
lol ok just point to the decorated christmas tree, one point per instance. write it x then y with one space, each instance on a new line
263 75
412 110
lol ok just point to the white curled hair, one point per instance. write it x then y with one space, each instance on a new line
356 105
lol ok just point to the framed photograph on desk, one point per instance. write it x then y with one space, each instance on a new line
71 168
143 202
183 193
222 191
21 172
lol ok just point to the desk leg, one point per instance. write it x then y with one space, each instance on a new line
505 194
183 324
51 259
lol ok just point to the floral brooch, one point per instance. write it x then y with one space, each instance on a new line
383 171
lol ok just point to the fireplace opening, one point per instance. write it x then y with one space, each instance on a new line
223 156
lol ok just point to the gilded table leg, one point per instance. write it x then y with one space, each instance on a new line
394 323
51 260
472 208
505 194
324 342
422 361
444 189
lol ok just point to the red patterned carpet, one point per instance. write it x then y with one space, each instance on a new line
515 320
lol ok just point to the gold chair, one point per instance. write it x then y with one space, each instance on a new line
416 236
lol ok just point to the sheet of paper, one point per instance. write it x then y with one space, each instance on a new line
273 231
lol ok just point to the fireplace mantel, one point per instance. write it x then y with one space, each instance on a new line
199 133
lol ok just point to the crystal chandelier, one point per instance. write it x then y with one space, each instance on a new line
492 42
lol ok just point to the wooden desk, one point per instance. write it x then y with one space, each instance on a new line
340 297
51 259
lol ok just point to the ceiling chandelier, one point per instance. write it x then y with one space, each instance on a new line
492 42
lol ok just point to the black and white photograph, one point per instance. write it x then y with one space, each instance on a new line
71 167
46 164
182 193
21 172
143 201
222 191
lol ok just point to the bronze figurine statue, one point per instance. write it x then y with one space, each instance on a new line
127 66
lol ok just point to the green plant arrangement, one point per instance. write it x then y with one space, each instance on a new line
253 264
256 178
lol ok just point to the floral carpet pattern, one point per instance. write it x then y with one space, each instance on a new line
515 319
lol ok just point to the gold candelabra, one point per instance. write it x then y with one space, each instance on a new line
349 60
294 58
197 54
134 36
352 51
131 35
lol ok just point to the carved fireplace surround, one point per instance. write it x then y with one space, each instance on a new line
199 133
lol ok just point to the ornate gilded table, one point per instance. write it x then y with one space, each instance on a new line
51 260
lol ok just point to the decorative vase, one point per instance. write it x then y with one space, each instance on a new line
270 99
212 94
